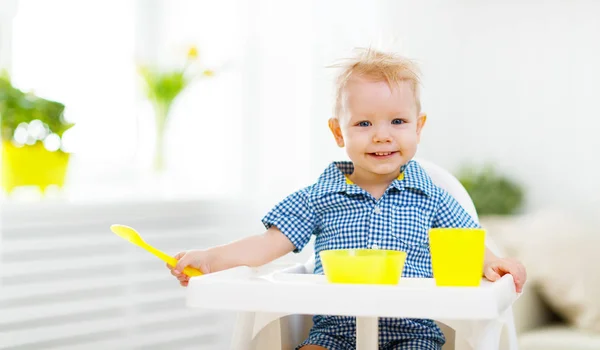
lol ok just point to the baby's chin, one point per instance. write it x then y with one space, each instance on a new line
383 169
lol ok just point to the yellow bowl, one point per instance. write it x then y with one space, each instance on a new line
457 256
363 266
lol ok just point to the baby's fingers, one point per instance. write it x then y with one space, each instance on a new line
491 274
177 257
183 277
176 273
520 277
517 271
518 286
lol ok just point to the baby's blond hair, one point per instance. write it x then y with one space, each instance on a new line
379 66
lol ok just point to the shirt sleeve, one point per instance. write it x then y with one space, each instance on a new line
451 214
295 218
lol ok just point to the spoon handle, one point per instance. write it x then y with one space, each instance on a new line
188 270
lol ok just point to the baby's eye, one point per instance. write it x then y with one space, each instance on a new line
398 121
364 123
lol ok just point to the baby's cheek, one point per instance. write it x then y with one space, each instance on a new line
409 140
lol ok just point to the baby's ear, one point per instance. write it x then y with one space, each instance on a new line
334 126
420 124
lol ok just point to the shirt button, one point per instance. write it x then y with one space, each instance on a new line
374 246
377 210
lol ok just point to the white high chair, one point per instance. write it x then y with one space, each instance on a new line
275 309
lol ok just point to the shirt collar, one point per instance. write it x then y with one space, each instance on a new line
334 180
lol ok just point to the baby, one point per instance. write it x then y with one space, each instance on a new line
380 199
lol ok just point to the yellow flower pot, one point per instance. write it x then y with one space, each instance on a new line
32 166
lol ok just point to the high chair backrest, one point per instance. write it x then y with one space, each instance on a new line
444 179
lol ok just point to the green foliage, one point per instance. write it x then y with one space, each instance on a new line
491 192
17 107
162 87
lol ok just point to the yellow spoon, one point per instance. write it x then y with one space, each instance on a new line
131 235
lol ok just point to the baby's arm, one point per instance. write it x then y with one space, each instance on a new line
251 251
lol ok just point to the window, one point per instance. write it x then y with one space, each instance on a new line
83 54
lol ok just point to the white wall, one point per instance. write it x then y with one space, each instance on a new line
528 84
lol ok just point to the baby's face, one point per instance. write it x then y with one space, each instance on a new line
379 126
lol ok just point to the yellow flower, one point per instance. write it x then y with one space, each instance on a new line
192 53
208 73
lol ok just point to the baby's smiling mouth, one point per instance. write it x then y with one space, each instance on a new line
382 154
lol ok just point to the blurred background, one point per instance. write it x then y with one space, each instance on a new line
190 119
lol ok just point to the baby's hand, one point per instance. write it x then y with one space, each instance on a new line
497 268
198 259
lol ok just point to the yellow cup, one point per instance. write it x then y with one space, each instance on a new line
457 256
363 266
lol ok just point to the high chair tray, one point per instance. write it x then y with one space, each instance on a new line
246 289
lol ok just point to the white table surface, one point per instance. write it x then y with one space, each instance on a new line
244 289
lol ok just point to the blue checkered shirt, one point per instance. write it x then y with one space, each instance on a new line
341 215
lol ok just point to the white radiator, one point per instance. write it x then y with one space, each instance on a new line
67 282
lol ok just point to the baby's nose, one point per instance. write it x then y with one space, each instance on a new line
382 134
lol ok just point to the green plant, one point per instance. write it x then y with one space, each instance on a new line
492 192
162 88
18 109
